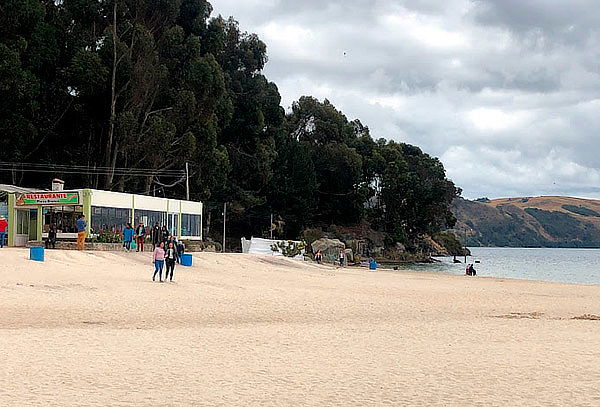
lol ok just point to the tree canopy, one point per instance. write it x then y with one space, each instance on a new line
149 85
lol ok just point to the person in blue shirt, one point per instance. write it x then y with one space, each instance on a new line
128 233
81 228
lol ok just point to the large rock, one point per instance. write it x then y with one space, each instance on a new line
329 247
349 256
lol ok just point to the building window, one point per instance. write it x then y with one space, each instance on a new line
150 218
63 217
109 219
191 225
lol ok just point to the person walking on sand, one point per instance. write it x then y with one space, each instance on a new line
81 227
158 258
3 227
170 257
128 233
319 257
140 232
342 257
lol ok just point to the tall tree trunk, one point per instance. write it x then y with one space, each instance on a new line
147 184
110 158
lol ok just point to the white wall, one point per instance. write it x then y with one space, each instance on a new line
111 199
193 208
150 203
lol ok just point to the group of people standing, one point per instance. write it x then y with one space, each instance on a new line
166 249
342 257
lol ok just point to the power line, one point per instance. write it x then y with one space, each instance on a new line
87 170
84 167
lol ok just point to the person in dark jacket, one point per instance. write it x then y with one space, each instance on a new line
140 232
164 235
170 258
51 241
156 235
180 249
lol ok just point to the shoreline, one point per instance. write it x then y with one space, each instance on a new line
406 266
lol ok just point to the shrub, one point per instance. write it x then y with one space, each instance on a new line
581 210
289 248
108 237
311 235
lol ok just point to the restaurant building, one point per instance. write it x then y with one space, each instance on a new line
31 212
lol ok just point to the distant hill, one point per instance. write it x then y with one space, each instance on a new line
546 221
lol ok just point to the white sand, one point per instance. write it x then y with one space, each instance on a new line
91 329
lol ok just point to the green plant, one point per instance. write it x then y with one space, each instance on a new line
311 235
108 237
289 248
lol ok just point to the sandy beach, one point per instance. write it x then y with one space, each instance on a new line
92 329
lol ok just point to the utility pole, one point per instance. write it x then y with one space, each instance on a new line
187 181
271 226
465 245
224 224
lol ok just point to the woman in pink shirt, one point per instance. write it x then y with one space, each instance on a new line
158 258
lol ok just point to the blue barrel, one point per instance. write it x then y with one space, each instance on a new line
36 253
186 260
372 265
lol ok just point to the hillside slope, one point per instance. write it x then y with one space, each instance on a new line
547 221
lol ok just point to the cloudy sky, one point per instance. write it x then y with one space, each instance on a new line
505 92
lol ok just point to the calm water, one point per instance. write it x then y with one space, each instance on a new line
581 266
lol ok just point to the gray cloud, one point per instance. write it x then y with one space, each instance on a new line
505 92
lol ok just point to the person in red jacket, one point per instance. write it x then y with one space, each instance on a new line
3 227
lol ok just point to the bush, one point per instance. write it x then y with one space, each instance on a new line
289 248
581 210
451 243
108 237
311 235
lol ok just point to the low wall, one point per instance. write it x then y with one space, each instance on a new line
191 246
66 245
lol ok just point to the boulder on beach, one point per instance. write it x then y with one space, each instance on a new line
329 247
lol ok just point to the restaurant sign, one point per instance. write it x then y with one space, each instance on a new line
48 198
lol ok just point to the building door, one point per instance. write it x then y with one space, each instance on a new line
21 227
172 220
33 220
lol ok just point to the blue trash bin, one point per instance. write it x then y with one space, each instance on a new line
36 253
186 260
372 265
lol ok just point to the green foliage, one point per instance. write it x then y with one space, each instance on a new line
581 210
415 193
311 235
289 248
147 84
451 243
108 237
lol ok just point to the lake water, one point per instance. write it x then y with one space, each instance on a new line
580 266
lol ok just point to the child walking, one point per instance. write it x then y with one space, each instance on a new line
158 258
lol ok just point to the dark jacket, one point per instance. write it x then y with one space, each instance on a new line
140 231
156 234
